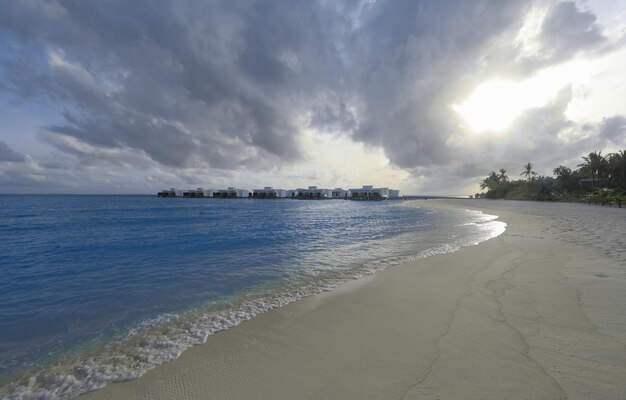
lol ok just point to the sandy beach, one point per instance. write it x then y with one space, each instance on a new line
536 313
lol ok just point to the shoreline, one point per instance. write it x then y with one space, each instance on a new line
516 316
130 353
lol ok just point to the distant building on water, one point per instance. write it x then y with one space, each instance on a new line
230 193
367 192
339 193
269 193
195 194
311 193
167 193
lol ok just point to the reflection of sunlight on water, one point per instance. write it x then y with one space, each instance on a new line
495 228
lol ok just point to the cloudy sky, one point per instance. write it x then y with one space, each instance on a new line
426 96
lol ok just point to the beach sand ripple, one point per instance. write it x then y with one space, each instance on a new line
535 313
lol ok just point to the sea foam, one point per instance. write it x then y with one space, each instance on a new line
153 341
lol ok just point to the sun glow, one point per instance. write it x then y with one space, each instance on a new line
494 105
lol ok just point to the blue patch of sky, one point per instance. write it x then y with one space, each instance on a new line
23 117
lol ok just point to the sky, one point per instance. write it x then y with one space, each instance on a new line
419 95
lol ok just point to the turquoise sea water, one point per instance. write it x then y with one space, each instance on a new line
97 289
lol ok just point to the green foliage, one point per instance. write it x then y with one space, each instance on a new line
616 168
607 196
598 179
536 188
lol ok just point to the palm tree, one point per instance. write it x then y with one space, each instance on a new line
528 171
565 179
503 176
595 164
617 167
562 172
484 183
492 181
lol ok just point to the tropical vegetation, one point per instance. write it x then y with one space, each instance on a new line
597 179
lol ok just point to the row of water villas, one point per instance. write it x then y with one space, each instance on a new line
367 192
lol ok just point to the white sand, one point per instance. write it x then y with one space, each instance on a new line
537 313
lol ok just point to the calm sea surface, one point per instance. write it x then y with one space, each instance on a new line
97 289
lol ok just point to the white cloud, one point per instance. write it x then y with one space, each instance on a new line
212 93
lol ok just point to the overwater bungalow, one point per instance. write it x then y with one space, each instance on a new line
268 193
340 194
167 193
368 192
230 193
312 193
195 194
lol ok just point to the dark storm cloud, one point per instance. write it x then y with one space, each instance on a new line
224 84
567 30
413 69
230 84
614 130
333 117
8 154
200 83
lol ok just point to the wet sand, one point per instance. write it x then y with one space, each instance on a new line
536 313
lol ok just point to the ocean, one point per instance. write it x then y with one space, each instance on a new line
99 289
